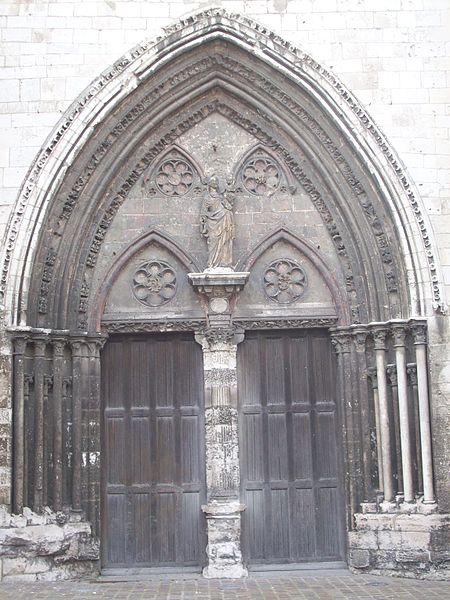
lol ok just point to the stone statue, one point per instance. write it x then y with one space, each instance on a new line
217 223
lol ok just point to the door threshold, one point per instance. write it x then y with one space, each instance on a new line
112 575
304 566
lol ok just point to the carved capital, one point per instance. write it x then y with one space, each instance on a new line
372 375
48 383
399 333
411 372
419 331
67 385
40 345
59 345
391 372
20 344
78 346
28 379
341 342
379 334
219 335
359 338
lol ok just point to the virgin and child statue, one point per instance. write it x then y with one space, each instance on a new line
217 223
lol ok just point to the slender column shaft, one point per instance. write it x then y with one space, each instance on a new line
341 341
94 433
380 356
424 412
39 356
77 386
19 424
372 372
360 345
29 382
391 372
412 376
58 382
403 407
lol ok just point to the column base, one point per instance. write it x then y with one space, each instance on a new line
224 540
222 572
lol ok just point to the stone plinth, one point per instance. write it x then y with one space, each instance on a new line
411 545
224 543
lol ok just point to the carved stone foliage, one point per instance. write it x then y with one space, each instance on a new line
175 176
261 175
154 283
284 281
152 326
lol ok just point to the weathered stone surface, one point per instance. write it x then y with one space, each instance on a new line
48 546
224 544
413 545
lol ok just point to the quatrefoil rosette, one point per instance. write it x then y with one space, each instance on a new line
284 281
154 283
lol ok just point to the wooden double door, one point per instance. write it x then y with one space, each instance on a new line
154 450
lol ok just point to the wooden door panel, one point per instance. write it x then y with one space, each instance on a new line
153 441
288 447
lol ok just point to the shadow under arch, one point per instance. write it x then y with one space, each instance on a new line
155 236
283 233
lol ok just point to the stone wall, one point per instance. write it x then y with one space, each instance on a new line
393 54
47 547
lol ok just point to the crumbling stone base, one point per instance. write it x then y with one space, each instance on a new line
224 547
48 546
407 545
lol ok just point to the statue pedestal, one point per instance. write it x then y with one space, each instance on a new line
219 288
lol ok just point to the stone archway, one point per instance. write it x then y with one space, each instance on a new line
326 223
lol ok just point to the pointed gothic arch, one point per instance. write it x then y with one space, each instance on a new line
418 266
65 242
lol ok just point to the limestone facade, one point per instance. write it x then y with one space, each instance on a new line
353 146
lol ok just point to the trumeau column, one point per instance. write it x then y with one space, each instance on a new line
219 288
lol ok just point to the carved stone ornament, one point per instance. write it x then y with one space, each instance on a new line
219 335
175 177
154 283
284 281
261 176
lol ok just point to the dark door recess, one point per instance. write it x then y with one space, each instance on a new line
153 473
290 468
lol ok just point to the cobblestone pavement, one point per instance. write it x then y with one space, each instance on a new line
274 586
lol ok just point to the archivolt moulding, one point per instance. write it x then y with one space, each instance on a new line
106 92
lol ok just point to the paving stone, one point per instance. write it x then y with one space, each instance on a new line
273 586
